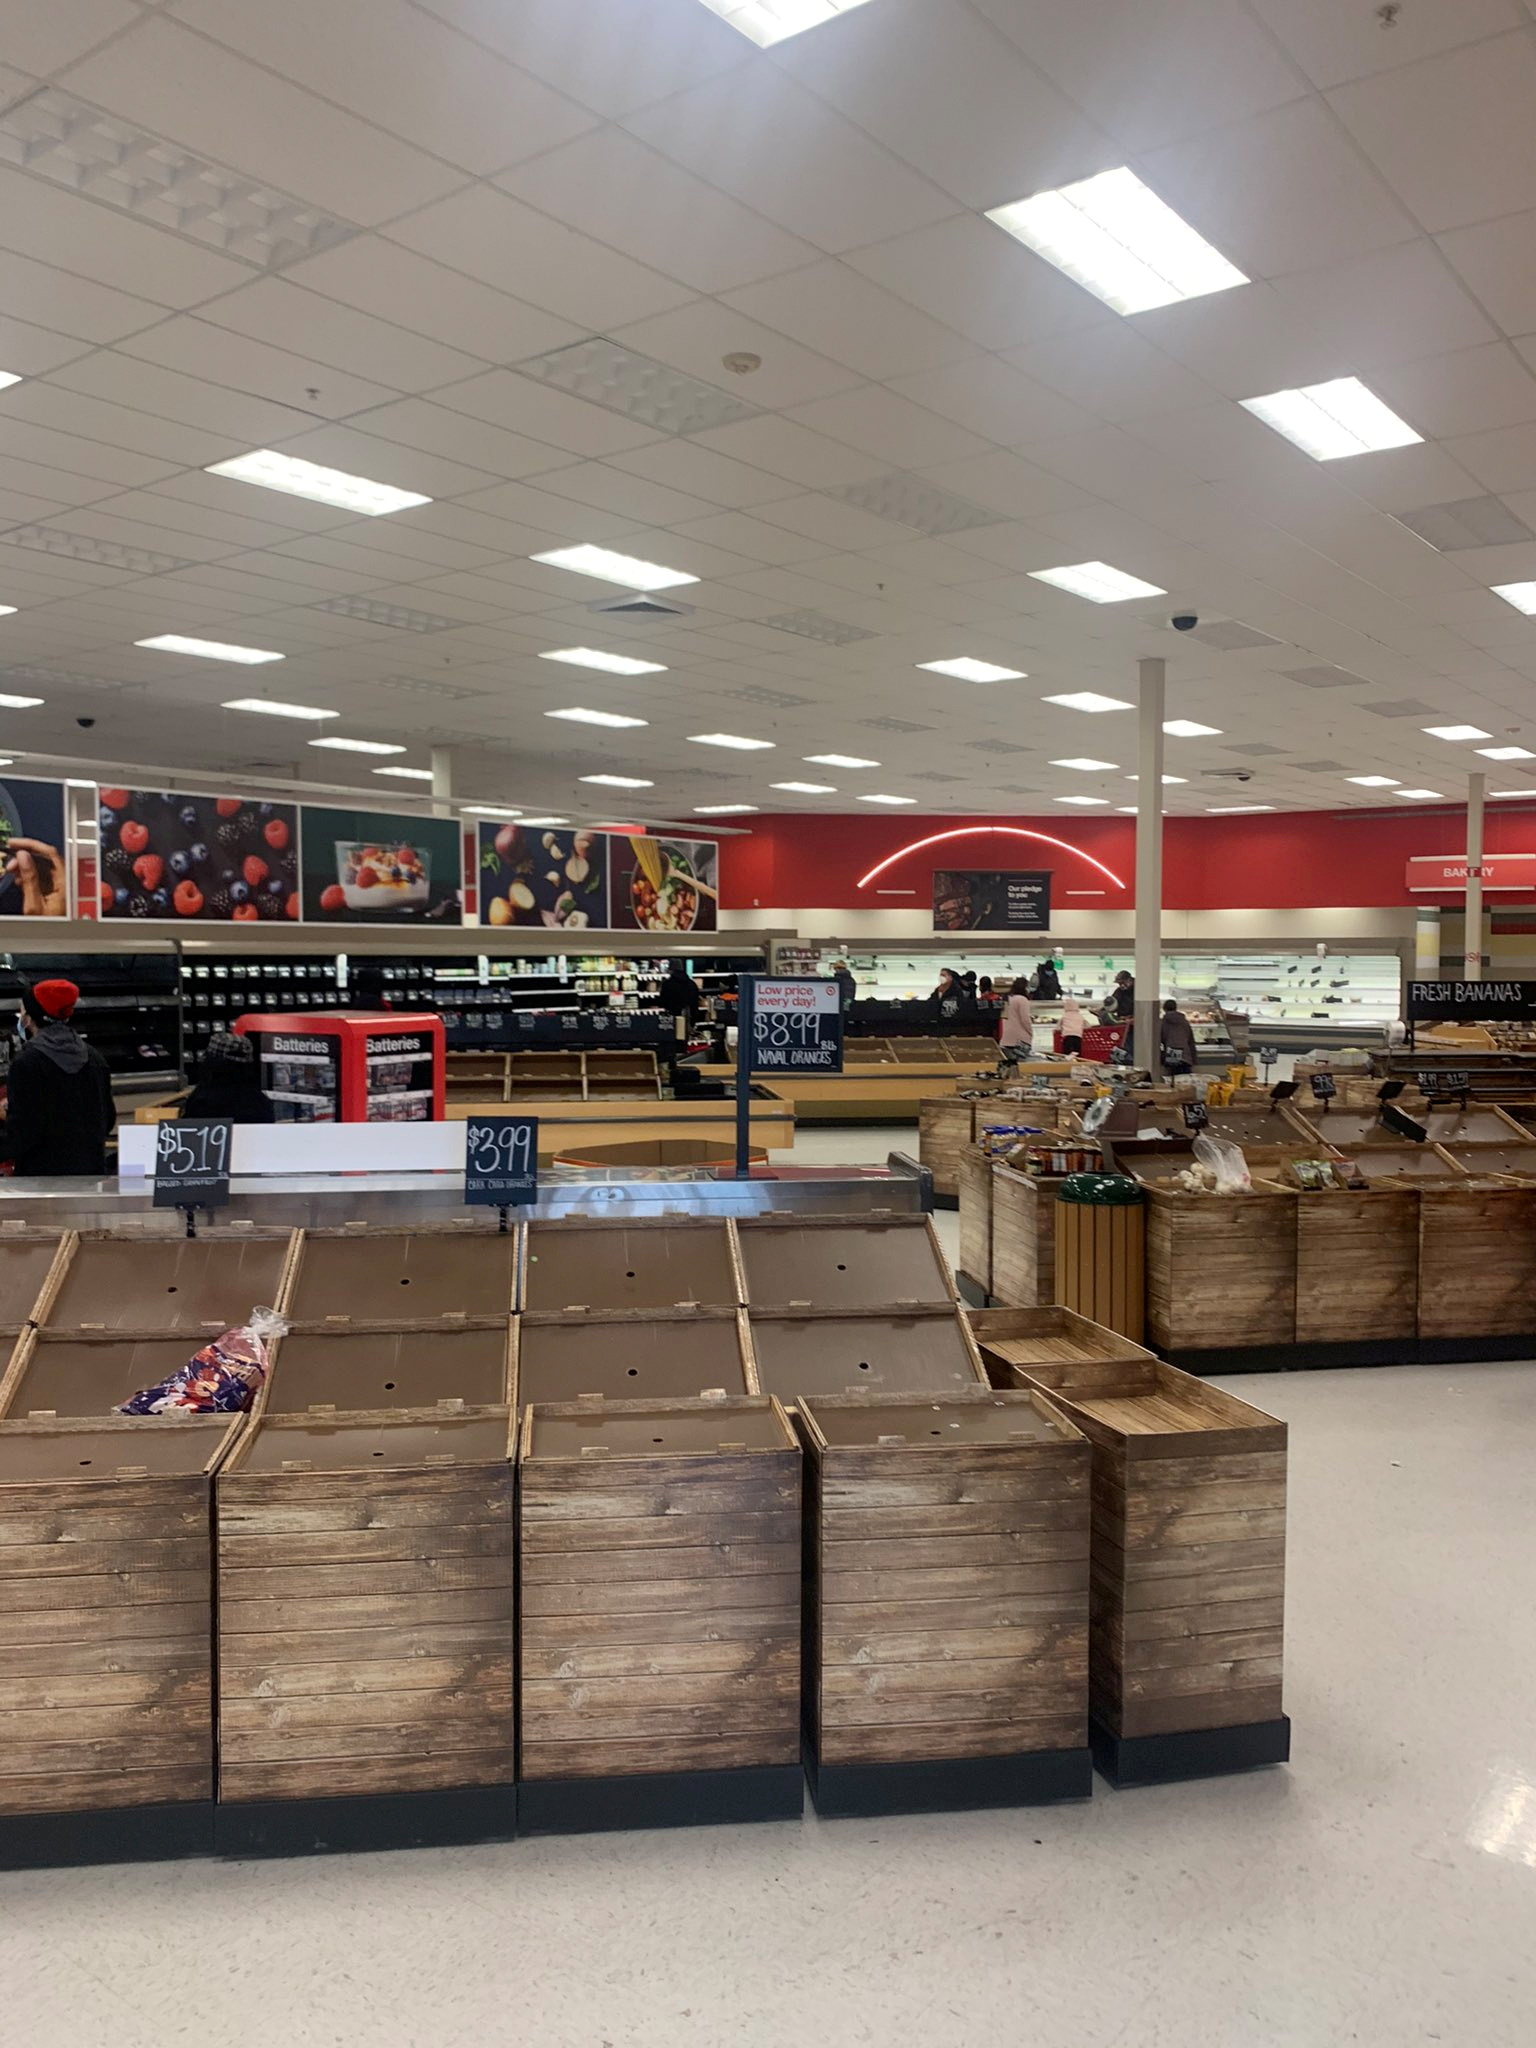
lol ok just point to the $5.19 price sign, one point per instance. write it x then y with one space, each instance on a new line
797 1026
501 1161
192 1164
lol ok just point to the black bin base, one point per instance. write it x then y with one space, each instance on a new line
949 1784
1191 1753
394 1820
660 1799
119 1834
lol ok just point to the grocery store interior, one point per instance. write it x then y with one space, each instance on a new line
825 712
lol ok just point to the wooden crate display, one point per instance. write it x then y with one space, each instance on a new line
106 1615
843 1262
366 1606
628 1354
29 1258
1188 1546
157 1281
947 1577
361 1275
974 1178
348 1371
945 1126
476 1076
807 1351
1477 1247
660 1589
621 1075
1357 1264
583 1263
1012 1340
546 1077
1023 1237
64 1375
1221 1269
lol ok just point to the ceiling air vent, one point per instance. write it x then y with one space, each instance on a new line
644 607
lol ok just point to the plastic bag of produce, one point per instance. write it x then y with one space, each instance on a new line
223 1378
1226 1164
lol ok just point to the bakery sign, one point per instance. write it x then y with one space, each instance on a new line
1436 874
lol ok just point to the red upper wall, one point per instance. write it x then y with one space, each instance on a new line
1291 861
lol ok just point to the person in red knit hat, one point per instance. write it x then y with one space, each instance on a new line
59 1108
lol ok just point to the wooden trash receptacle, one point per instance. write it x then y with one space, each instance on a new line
106 1637
1188 1569
365 1631
947 1635
1101 1249
660 1560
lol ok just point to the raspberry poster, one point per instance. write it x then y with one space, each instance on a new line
197 859
376 867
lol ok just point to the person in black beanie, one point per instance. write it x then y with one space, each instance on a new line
228 1084
59 1108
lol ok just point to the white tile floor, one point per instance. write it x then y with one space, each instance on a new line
1380 1891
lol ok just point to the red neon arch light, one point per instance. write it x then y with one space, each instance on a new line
973 831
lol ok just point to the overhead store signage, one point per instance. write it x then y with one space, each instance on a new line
34 875
197 859
991 900
1470 1002
1446 875
378 867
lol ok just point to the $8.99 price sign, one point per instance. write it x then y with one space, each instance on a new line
192 1164
797 1026
501 1161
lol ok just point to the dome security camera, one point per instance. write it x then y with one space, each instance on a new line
85 724
1184 622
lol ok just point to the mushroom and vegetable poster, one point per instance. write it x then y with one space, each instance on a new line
554 881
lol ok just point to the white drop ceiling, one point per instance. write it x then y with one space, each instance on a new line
362 232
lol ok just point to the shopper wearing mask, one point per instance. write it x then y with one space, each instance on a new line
847 987
59 1110
946 1004
1047 982
1122 997
1018 1028
229 1083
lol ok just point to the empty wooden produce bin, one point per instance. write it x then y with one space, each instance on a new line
632 1355
29 1255
157 1281
974 1180
1024 1237
361 1275
801 1352
1477 1251
356 1371
660 1560
843 1262
582 1263
945 1127
1014 1339
366 1610
1188 1569
1357 1266
948 1587
1221 1269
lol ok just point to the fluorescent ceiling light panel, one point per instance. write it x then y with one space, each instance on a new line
967 670
8 377
1234 810
271 707
1080 799
610 664
502 811
6 610
344 746
839 761
629 570
407 774
1521 595
9 703
807 788
887 799
1166 778
526 821
578 716
1114 236
619 781
1190 729
208 650
1090 700
1374 781
1457 732
1084 762
765 22
721 810
1507 754
1420 795
729 739
1332 420
301 479
1098 582
1512 792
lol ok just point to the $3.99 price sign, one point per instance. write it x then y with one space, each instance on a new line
192 1164
501 1161
797 1026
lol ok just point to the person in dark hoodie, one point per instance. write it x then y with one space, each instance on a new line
228 1083
59 1111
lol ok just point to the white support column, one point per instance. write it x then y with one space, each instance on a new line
1152 676
442 782
1472 969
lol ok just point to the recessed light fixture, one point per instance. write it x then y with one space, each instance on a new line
1190 729
608 567
1512 792
968 670
1080 800
1089 700
610 664
1166 778
1332 420
721 810
765 22
1374 781
887 799
6 610
503 811
1457 732
529 821
1098 582
1114 236
1506 754
9 703
620 781
1420 795
208 650
1521 595
8 377
272 707
345 746
807 788
578 716
300 479
729 739
1234 810
839 761
407 774
1087 765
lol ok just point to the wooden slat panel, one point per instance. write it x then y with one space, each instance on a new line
341 1777
488 1673
172 1686
357 1648
918 1741
659 1532
627 1660
714 1561
237 1554
95 1791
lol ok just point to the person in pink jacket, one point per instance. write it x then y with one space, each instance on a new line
1018 1028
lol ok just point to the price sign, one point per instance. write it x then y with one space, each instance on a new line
1119 1057
1323 1087
1268 1054
192 1164
1196 1116
1454 1082
797 1026
501 1161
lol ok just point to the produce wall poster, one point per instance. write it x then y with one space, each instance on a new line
197 859
550 880
33 876
971 900
376 867
664 885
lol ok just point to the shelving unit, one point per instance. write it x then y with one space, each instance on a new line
130 1006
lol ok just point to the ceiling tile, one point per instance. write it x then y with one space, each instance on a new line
1333 43
784 448
1497 260
359 453
1501 461
180 85
236 362
966 272
633 497
98 243
1113 372
1008 484
697 337
436 430
525 406
890 427
754 538
42 39
685 466
151 389
281 313
28 351
833 309
60 403
1464 393
994 400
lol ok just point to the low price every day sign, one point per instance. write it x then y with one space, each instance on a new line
797 1026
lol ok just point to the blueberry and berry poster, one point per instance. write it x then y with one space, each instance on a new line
376 867
556 881
33 878
204 859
